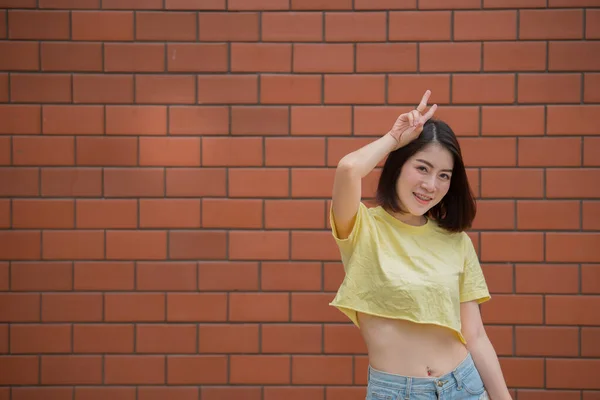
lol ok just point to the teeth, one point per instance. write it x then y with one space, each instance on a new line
422 197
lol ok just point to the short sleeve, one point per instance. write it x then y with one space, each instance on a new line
473 285
359 230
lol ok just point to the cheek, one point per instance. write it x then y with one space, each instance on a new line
444 187
409 179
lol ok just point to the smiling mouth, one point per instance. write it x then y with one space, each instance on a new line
422 198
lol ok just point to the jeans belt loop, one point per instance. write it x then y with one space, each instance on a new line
458 380
408 388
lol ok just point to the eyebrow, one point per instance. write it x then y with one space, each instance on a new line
431 165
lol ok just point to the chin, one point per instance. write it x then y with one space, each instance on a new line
414 208
417 208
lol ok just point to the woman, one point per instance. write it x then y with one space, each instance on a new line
413 281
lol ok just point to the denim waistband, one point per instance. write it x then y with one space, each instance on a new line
433 384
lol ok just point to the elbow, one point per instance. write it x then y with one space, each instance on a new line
346 166
345 163
473 336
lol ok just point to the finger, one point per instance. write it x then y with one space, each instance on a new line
410 119
416 117
429 113
421 107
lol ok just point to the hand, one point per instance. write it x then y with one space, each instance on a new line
409 126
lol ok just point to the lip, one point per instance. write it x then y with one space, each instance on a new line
420 201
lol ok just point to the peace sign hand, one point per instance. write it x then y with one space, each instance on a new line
409 125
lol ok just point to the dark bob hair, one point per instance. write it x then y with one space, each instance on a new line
457 209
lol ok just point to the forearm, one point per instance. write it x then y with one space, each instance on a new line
486 361
365 159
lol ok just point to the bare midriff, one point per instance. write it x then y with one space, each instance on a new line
410 349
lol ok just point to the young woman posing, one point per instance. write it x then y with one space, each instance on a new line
413 282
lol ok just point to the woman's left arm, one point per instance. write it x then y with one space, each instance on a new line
482 351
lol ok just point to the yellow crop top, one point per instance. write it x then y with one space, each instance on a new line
416 273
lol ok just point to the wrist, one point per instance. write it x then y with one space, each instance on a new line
393 136
393 139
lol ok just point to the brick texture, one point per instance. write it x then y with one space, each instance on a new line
166 170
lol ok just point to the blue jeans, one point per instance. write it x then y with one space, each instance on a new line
463 383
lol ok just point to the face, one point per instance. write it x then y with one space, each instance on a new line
425 180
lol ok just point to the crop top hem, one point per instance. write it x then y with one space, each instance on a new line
350 312
344 309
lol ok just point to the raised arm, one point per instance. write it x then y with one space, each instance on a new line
353 167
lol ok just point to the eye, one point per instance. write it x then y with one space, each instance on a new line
422 168
445 176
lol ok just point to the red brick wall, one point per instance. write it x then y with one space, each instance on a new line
167 165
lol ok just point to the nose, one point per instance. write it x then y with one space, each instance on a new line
428 184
